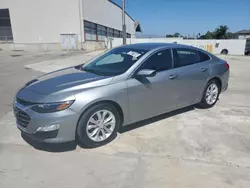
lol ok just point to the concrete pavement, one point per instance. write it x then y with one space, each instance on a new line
187 148
13 73
64 62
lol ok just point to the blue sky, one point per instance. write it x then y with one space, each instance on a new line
161 17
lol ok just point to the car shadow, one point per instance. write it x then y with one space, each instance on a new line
55 148
139 124
70 146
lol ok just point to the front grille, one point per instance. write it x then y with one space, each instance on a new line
22 118
23 102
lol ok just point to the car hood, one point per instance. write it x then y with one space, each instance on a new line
69 79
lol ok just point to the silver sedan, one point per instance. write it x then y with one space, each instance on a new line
90 102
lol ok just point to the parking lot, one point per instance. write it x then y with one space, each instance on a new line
187 148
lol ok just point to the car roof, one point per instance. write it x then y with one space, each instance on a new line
151 46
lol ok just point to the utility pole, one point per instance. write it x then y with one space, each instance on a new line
81 21
124 36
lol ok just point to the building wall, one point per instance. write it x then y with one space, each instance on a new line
106 13
38 24
246 36
42 21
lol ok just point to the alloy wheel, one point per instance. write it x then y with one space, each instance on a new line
212 93
100 125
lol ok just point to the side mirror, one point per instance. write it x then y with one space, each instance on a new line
146 73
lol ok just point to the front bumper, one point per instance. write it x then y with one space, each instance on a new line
67 119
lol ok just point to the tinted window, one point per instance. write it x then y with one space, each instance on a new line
5 22
4 13
184 57
5 26
159 61
204 57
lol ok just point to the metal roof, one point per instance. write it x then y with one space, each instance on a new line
244 31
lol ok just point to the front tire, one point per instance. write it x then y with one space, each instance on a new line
98 125
210 94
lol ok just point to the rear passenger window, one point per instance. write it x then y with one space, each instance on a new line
159 61
204 57
184 57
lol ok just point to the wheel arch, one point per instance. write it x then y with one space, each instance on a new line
218 80
113 103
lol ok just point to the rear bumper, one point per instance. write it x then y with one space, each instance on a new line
225 88
224 81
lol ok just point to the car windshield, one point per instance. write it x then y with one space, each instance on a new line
114 62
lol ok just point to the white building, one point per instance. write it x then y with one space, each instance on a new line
243 34
55 24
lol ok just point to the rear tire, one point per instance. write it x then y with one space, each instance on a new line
92 131
224 51
210 94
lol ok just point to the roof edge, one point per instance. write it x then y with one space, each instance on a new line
121 9
244 31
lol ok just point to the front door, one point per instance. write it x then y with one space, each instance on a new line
150 96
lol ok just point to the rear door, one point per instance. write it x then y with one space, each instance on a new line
191 69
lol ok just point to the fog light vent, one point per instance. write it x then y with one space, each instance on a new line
48 128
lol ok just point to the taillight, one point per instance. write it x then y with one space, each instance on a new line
227 65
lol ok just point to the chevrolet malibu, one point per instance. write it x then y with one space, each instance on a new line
90 102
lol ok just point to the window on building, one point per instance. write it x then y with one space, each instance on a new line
101 32
90 30
128 35
217 45
5 26
120 34
110 32
96 32
116 33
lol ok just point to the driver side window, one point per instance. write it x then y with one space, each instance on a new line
160 61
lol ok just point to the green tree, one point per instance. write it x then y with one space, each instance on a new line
176 34
208 35
169 36
220 32
229 35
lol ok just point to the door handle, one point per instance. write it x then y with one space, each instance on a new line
203 69
172 76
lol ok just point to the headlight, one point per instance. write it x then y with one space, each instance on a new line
52 107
